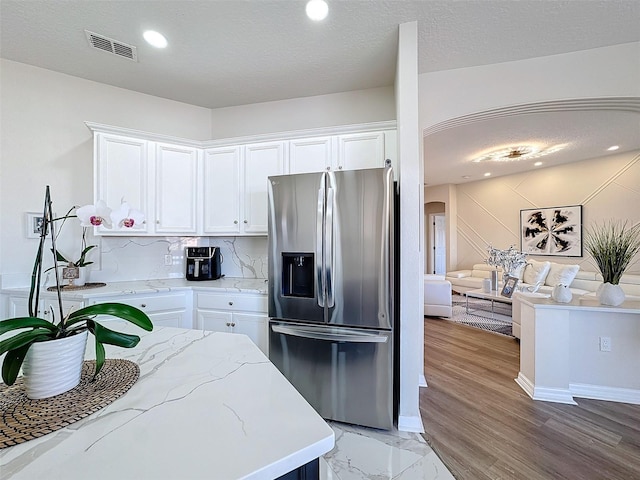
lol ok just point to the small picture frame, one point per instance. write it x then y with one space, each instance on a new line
34 222
509 286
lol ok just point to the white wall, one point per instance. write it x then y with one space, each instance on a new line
346 108
411 230
488 211
44 141
600 72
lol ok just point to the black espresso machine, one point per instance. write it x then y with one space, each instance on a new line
203 263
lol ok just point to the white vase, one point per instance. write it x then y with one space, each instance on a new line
610 294
561 293
54 367
83 277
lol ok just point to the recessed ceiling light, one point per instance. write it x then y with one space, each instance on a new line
613 148
488 174
466 177
317 10
537 164
155 39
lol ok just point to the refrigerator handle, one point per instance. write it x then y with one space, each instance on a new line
320 277
329 254
328 336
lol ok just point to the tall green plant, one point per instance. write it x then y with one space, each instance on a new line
32 329
612 245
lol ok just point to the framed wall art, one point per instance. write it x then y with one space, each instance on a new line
33 224
553 231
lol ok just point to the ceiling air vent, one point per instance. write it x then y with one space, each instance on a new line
112 46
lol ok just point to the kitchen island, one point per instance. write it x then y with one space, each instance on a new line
207 405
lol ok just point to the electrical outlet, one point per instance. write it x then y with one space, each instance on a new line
605 344
168 260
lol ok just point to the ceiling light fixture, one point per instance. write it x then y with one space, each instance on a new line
488 174
516 153
613 148
537 164
317 10
155 39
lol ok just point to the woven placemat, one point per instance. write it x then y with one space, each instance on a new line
24 419
86 286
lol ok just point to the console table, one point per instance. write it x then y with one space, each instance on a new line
563 354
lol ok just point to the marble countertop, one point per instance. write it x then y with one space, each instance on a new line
206 405
583 302
224 284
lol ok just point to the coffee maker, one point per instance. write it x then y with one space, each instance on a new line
203 263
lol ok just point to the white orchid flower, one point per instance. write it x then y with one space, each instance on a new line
94 215
128 217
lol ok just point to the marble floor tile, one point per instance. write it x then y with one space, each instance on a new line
369 454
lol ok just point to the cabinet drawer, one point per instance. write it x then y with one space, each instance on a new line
150 303
245 303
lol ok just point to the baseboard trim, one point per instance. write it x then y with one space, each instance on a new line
543 394
422 381
410 423
611 394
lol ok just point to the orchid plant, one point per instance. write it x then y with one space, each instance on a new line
31 329
98 215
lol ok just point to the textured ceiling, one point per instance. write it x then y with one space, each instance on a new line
234 52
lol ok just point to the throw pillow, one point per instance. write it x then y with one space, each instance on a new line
559 273
536 272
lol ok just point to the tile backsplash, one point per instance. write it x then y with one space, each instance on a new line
143 258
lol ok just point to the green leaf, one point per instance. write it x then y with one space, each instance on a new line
111 337
100 356
12 363
120 310
25 322
25 338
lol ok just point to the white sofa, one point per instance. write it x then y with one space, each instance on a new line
580 282
437 296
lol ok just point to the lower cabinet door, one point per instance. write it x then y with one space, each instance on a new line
214 321
254 326
171 319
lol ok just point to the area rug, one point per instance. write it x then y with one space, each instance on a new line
500 323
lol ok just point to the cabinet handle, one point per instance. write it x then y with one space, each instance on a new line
328 168
340 167
233 324
246 221
235 222
230 303
228 324
143 305
158 222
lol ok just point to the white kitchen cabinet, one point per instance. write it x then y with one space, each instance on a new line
234 313
164 309
176 176
261 160
360 150
121 169
18 306
313 154
221 180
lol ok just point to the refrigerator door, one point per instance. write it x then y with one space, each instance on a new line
344 373
359 248
296 226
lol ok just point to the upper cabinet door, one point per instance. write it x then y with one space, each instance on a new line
308 155
176 176
121 168
361 150
261 161
221 185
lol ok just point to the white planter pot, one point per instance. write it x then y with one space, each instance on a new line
83 277
54 367
609 294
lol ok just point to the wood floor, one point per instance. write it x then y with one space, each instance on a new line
483 426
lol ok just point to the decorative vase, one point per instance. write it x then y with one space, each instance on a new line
609 294
561 293
83 277
494 280
54 367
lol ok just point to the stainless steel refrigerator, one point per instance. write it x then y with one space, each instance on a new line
331 276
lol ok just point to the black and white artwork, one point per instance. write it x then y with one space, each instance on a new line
555 231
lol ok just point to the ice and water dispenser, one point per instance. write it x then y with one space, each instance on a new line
298 274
